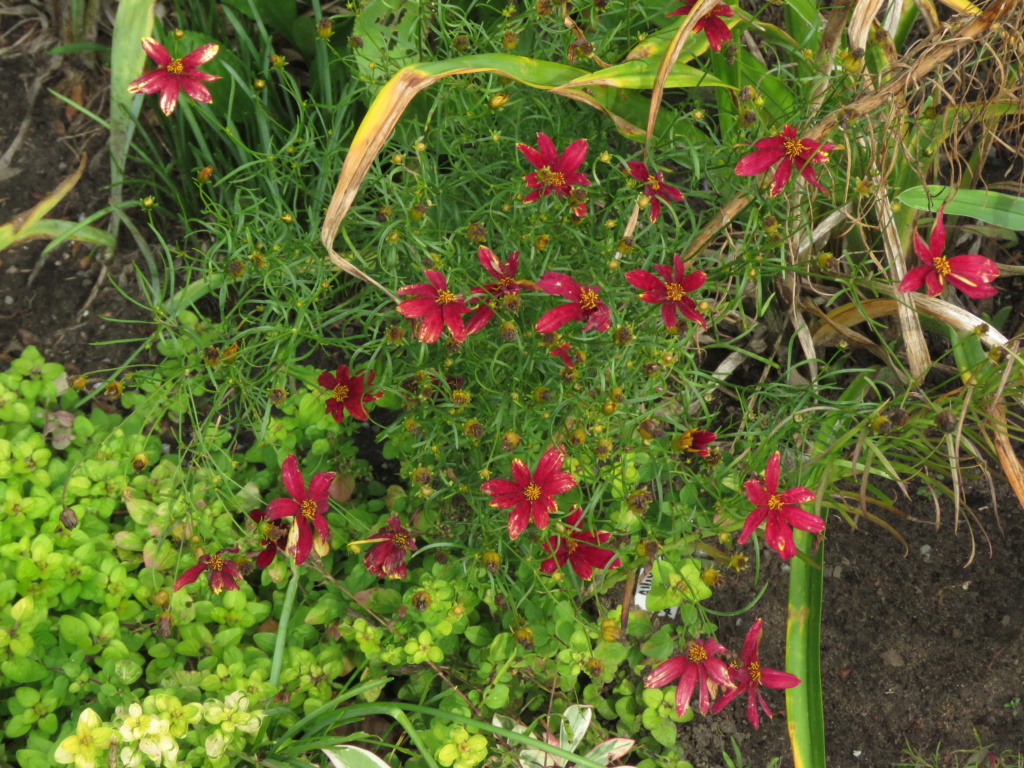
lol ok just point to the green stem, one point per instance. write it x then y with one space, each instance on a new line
193 292
282 627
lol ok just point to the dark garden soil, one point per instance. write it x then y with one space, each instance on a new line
917 649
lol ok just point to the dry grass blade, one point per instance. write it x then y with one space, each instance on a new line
918 359
860 24
702 8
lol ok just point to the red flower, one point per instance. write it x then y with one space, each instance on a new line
671 293
272 538
656 188
506 290
578 548
699 667
784 150
751 677
970 272
306 507
694 441
718 31
221 571
439 308
585 304
563 353
174 74
387 557
530 496
779 508
555 173
347 393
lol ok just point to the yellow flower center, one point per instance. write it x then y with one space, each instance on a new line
774 503
216 562
400 540
655 184
175 67
505 283
546 176
532 492
571 545
588 299
794 147
674 291
340 393
941 264
307 509
445 297
754 669
697 654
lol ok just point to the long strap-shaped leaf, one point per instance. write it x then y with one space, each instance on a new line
625 110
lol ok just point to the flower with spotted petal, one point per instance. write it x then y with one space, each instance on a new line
579 549
654 187
174 75
438 307
531 495
785 150
306 507
585 305
699 667
346 392
780 509
670 290
970 272
220 570
556 173
750 677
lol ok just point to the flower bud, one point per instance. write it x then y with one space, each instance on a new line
421 600
491 560
476 232
324 29
510 441
204 174
510 40
259 85
498 100
524 636
473 429
68 518
610 631
946 421
460 43
140 461
179 34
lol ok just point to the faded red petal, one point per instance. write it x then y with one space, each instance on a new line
555 318
761 160
201 55
156 51
292 478
189 576
781 178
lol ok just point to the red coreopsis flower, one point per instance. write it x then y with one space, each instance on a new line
392 545
718 31
750 677
971 273
272 537
585 305
694 441
555 174
438 307
780 509
347 393
506 289
671 290
222 571
174 75
580 549
698 668
531 495
655 186
306 507
785 150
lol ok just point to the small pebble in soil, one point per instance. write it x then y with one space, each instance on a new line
925 551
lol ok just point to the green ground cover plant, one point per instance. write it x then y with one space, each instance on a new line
604 296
